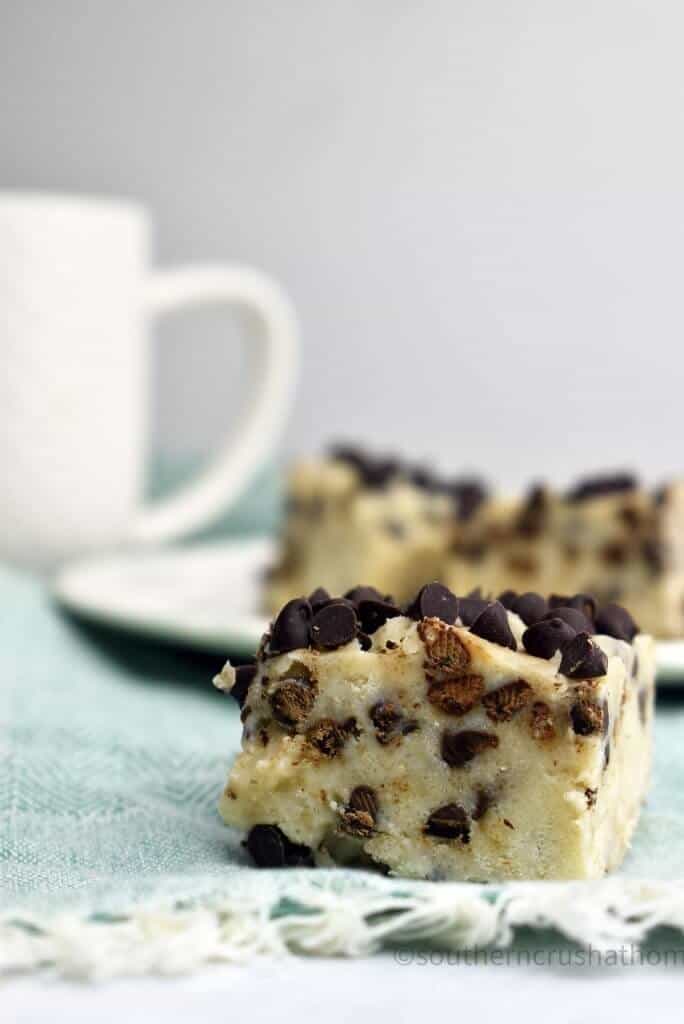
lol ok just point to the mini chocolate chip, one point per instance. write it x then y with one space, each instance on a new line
584 603
269 847
374 613
501 704
318 598
468 494
448 822
334 625
456 696
655 555
507 598
530 607
575 618
244 676
544 638
492 624
590 796
484 798
532 516
460 747
583 659
586 718
374 472
434 601
469 608
361 593
291 627
365 641
597 486
614 620
614 553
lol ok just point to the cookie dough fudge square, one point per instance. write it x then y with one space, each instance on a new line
452 740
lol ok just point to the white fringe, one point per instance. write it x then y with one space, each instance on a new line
327 922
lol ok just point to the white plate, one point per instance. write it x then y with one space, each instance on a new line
206 597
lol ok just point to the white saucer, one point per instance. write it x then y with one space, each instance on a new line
205 596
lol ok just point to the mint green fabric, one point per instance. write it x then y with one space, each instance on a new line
112 756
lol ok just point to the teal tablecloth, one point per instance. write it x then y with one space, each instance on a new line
113 858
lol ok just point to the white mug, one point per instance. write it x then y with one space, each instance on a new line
76 297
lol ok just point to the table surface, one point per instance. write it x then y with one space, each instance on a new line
295 990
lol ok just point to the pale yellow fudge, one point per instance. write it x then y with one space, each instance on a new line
352 516
456 741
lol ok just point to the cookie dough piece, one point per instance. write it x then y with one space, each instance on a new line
458 741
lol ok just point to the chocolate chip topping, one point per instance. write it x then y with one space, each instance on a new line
434 601
530 607
244 676
361 813
460 747
484 798
574 618
291 627
583 659
492 624
469 608
598 486
614 620
448 822
456 696
375 471
584 603
374 613
318 598
270 848
501 704
467 494
363 593
333 625
544 638
507 598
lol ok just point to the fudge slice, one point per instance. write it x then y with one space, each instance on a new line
606 535
454 739
353 516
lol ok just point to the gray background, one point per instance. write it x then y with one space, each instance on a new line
477 206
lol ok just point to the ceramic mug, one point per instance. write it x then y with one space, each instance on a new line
77 296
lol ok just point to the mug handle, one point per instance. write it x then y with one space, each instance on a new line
270 325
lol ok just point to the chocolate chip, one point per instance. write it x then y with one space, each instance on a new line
575 618
334 625
586 718
525 565
360 815
318 598
291 627
598 486
507 598
244 676
327 736
530 607
291 703
614 553
374 613
484 799
492 624
358 594
655 555
269 847
467 494
460 747
365 642
456 696
584 603
448 822
390 722
501 704
590 796
469 608
532 517
544 638
614 620
434 601
583 659
374 472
